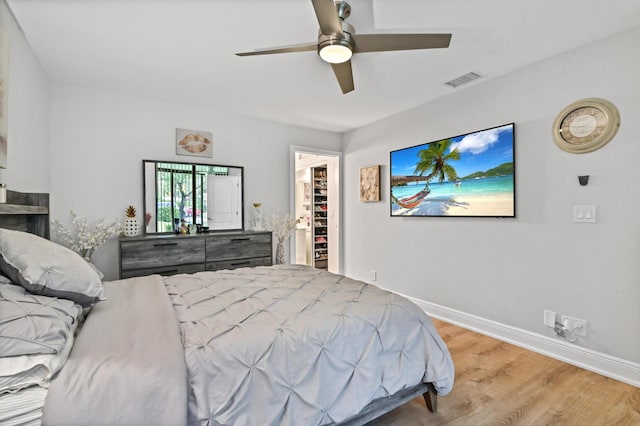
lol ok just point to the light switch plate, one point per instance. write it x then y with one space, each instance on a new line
584 214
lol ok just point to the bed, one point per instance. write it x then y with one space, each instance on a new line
277 345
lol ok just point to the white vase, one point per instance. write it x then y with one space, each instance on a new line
257 218
281 256
131 227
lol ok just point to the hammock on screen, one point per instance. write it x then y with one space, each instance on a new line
413 201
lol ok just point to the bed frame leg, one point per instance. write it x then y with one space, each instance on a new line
431 398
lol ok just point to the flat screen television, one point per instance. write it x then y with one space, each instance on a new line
470 175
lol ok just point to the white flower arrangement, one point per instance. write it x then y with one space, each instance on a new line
86 241
281 226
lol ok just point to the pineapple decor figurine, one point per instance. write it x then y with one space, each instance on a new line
131 225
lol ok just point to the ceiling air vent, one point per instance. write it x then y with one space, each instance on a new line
463 79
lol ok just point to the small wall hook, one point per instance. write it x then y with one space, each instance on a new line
584 180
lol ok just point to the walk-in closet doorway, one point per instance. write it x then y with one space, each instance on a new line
316 204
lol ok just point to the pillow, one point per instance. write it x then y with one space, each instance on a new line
31 324
47 268
21 371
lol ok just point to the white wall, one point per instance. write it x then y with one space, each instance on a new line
28 114
99 139
510 270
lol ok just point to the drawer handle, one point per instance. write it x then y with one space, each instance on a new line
240 239
246 262
164 244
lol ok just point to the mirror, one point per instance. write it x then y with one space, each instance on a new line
189 195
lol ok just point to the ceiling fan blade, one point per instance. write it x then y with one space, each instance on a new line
387 42
284 49
327 16
344 75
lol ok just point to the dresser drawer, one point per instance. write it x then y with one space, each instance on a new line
242 246
164 270
158 253
238 263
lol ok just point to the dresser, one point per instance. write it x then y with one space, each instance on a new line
169 254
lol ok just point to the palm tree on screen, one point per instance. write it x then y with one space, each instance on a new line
435 161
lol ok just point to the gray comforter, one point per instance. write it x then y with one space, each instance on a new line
281 345
293 345
127 365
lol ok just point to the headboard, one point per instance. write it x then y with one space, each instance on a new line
26 211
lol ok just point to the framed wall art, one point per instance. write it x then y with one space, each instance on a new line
194 142
370 184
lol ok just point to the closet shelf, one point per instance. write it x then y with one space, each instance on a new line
319 224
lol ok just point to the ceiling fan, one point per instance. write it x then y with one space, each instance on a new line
338 41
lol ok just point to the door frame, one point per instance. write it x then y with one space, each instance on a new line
293 150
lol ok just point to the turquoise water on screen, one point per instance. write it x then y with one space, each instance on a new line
482 186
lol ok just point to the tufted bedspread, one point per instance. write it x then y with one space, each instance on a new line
293 345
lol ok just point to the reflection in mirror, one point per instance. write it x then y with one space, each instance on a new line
183 196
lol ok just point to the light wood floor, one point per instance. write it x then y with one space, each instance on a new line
501 384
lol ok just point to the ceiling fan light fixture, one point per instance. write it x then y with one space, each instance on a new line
335 51
337 41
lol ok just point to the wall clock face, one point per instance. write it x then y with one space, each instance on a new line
586 125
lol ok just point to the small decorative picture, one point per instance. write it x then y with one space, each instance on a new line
307 192
370 184
194 142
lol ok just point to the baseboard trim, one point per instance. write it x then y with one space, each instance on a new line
606 365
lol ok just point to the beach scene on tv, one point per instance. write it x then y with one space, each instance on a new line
467 175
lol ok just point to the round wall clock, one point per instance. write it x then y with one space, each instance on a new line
586 125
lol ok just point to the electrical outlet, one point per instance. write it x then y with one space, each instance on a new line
549 318
576 325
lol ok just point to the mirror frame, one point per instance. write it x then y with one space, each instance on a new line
144 193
